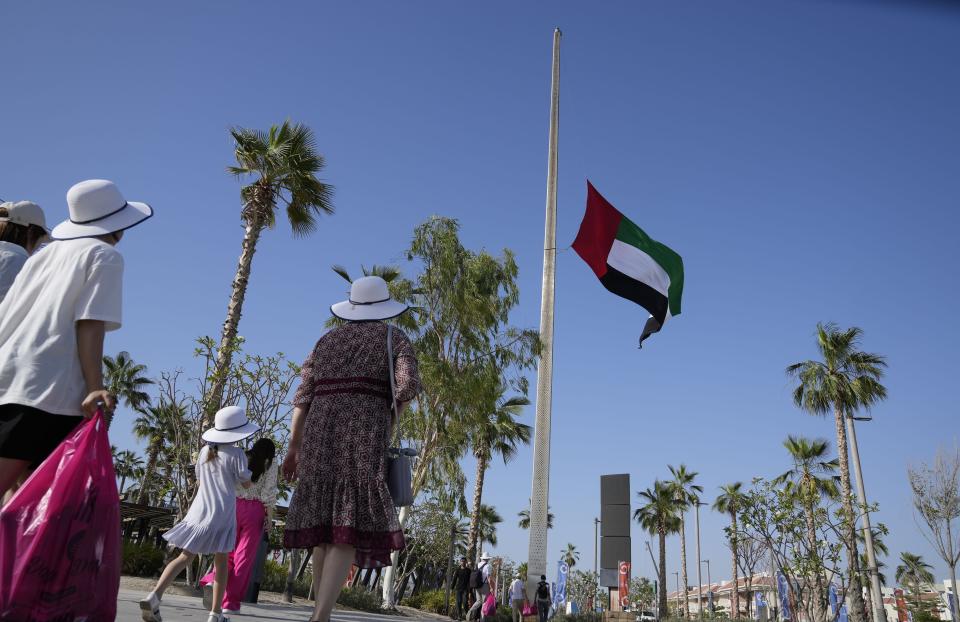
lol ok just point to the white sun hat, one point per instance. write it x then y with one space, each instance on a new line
369 300
24 213
97 208
230 425
485 557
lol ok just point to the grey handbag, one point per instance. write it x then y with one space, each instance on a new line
399 459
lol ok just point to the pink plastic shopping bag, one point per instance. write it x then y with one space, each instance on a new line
489 605
60 535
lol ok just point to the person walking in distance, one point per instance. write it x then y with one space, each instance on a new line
480 584
461 584
517 598
210 525
52 325
544 598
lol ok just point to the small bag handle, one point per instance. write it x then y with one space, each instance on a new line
393 382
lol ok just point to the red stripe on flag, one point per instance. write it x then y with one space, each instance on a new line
597 231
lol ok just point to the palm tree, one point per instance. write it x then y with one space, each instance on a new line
489 518
126 380
913 573
687 495
524 515
152 426
729 502
496 433
812 478
846 380
570 555
283 163
660 515
127 464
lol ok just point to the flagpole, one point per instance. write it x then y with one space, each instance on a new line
537 554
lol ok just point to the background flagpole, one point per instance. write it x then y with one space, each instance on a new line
537 555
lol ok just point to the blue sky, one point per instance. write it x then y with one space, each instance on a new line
801 156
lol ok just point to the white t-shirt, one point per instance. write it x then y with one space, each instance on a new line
12 258
66 281
516 590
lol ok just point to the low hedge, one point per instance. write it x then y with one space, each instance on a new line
141 560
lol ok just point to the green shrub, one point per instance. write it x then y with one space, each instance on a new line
360 598
275 580
430 600
141 560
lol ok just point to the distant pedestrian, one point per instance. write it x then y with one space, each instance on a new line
461 583
210 525
343 421
517 598
255 507
52 325
480 583
544 598
22 229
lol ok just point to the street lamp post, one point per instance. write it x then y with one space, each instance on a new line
879 613
596 523
696 506
709 586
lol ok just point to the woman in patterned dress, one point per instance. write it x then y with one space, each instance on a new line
342 424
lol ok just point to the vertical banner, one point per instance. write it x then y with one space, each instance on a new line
832 596
784 592
901 605
760 606
843 614
560 594
623 584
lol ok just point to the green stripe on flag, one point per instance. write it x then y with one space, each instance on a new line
672 264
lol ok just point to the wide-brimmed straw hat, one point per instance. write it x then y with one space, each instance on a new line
369 300
485 557
230 425
97 208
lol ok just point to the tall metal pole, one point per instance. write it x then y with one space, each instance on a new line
879 613
596 523
677 577
709 586
537 554
699 570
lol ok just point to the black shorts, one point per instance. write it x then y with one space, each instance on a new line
31 434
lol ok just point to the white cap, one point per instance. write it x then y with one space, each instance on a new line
24 213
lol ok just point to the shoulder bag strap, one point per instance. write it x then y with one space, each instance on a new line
393 385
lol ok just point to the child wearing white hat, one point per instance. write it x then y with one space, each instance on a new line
210 525
22 229
52 325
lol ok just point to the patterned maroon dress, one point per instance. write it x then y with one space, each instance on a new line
341 495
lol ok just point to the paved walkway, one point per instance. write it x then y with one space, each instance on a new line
183 608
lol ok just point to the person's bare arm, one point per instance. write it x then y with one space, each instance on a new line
90 350
289 467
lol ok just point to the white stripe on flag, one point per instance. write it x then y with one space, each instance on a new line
638 265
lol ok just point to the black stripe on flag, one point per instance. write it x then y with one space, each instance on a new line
637 291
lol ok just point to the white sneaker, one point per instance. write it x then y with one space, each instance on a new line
150 608
217 617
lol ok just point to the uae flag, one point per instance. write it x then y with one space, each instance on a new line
629 262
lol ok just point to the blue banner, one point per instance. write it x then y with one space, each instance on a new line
784 593
560 594
760 605
843 614
832 596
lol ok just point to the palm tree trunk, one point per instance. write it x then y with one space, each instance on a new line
475 514
153 452
685 607
662 596
735 608
123 481
820 601
251 235
854 592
